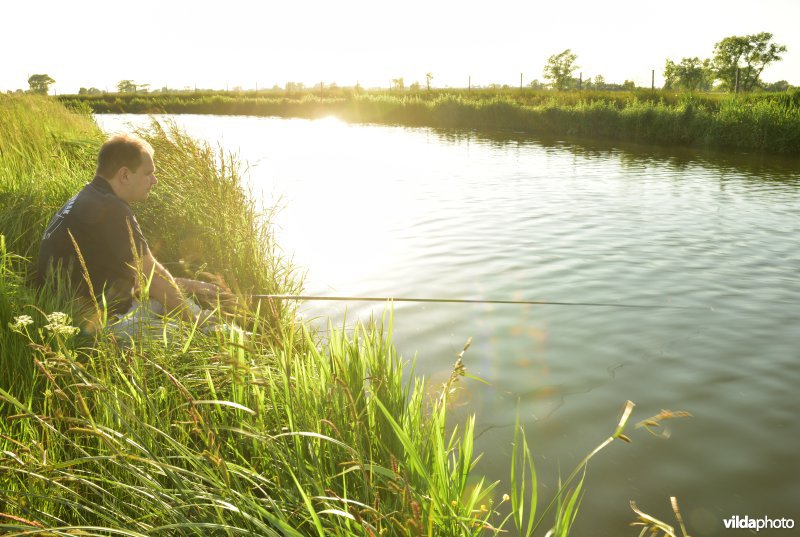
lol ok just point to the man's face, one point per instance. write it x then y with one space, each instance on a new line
142 180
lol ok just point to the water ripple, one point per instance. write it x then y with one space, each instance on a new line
410 212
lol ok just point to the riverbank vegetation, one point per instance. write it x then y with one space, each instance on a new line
760 122
276 433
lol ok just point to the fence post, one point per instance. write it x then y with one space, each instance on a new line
580 81
520 81
652 79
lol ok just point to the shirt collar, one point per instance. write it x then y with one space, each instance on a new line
101 184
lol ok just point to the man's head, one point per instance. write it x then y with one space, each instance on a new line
126 162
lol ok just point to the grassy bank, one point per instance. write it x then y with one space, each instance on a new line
768 123
278 433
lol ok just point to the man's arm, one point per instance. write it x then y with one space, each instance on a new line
169 291
164 288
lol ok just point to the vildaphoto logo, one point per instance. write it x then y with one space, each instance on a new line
764 523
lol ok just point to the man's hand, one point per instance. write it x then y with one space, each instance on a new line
174 293
208 293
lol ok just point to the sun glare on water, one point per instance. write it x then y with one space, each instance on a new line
340 231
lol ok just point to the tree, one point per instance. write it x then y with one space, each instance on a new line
40 83
295 87
691 74
129 86
126 86
780 85
599 82
746 55
398 84
559 68
428 78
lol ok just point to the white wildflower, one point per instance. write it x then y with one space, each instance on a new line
62 329
20 322
60 324
58 317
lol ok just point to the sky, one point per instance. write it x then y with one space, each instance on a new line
250 44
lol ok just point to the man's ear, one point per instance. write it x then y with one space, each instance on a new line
123 174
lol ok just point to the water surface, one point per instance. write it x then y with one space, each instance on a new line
377 210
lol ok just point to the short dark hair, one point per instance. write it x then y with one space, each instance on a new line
121 150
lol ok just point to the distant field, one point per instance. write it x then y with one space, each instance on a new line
761 122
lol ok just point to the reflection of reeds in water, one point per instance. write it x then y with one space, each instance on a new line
272 433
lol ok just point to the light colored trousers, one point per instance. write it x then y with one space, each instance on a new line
145 320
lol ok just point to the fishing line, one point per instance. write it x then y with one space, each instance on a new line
463 301
316 298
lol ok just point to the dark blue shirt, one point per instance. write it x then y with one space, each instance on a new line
106 233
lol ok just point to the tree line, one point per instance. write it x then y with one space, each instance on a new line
735 66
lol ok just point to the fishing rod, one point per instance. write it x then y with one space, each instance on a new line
306 298
317 298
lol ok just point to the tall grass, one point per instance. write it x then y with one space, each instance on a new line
222 436
768 123
46 154
275 433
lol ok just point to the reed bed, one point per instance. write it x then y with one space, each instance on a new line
275 432
765 122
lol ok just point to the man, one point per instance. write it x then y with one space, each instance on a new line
97 229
